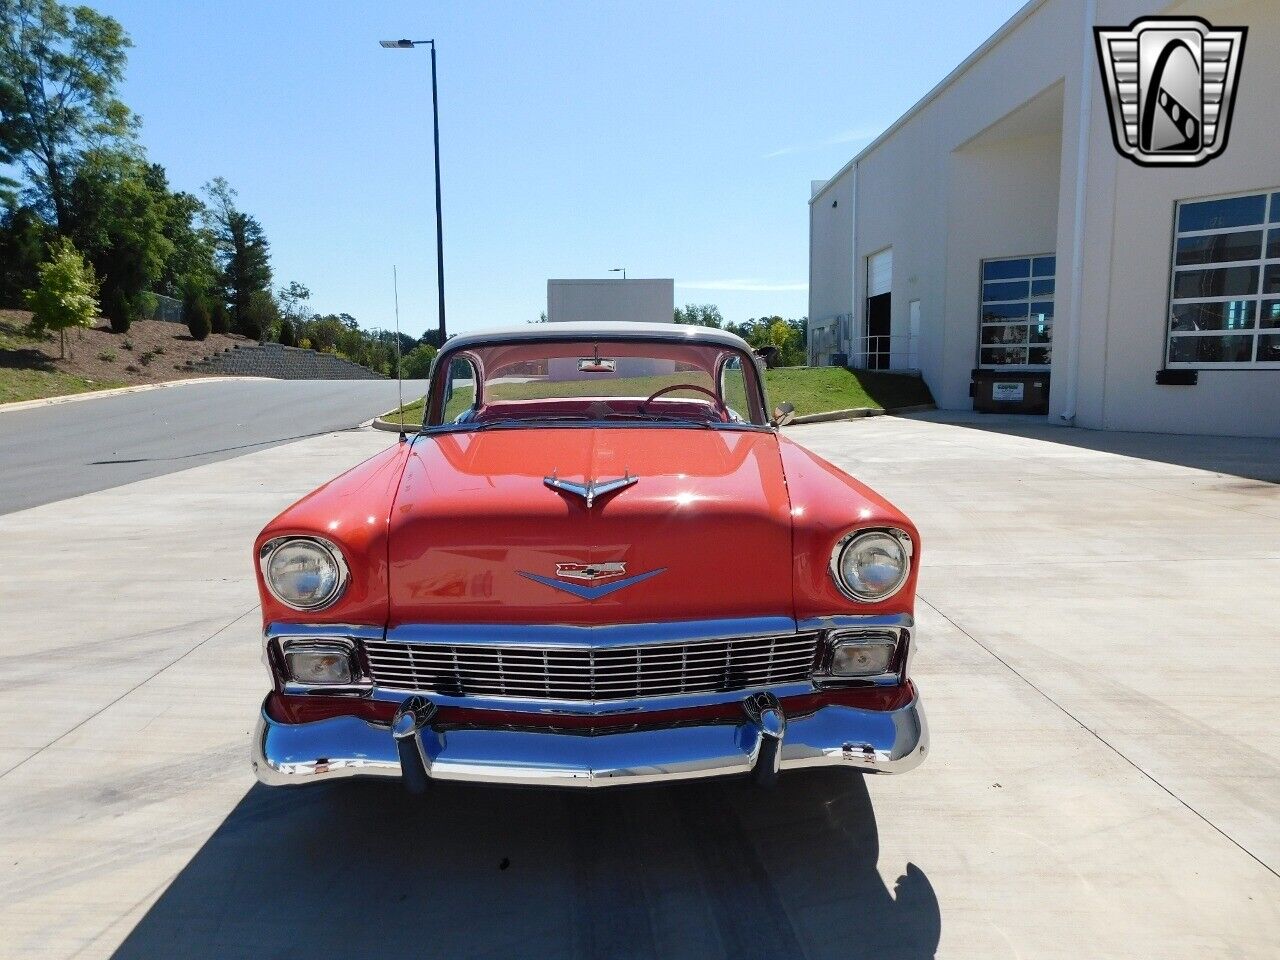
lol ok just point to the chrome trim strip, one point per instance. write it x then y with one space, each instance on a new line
858 621
599 708
608 635
324 631
892 741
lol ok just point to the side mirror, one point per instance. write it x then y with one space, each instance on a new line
783 414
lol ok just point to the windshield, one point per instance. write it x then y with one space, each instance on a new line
594 381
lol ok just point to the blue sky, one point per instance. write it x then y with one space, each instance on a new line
676 139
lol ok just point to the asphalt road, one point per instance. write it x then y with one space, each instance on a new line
69 449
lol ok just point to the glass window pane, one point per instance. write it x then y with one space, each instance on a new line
1217 214
1040 356
733 389
1005 269
1270 314
1041 332
1219 282
460 390
1016 290
1273 242
1210 349
1015 333
995 312
1221 315
1044 267
1042 311
1271 284
1220 247
1004 356
1275 208
1269 349
1042 288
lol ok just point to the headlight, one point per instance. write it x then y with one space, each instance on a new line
862 654
303 573
871 565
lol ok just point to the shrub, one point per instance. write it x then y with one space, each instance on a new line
258 318
145 359
304 343
219 319
158 351
106 356
120 311
133 368
288 337
195 310
66 294
128 344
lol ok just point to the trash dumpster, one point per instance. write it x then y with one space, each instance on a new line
1010 391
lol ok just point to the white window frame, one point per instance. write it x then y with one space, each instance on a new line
1029 299
1257 297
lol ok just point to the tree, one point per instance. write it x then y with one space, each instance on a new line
60 67
260 316
700 314
293 301
288 336
23 242
120 309
195 310
242 251
118 220
219 322
190 260
417 362
66 295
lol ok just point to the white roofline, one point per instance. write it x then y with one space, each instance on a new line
1007 28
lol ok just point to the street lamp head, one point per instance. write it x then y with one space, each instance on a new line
397 44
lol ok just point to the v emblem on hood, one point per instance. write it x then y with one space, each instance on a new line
591 489
590 593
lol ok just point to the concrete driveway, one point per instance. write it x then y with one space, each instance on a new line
1100 658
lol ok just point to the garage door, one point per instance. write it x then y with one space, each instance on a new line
879 273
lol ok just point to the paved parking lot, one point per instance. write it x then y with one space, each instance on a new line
1100 657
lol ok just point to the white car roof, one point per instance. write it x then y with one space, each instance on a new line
617 330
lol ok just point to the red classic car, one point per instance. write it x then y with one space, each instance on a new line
597 563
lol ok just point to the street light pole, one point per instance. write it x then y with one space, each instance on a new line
435 129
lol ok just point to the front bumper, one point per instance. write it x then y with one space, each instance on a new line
761 744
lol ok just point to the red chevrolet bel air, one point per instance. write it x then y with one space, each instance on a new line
597 563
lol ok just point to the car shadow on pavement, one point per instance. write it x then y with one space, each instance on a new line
719 869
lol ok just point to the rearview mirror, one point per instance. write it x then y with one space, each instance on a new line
783 414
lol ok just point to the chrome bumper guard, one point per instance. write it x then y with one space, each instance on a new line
764 742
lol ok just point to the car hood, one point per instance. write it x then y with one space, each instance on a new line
476 535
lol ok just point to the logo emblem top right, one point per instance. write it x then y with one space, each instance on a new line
1171 86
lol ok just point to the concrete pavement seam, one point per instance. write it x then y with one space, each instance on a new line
1102 740
137 686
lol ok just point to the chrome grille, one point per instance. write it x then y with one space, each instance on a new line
593 673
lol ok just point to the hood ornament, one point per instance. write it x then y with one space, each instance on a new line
592 488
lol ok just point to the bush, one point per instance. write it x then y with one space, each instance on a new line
107 356
195 310
66 293
258 318
128 344
219 319
288 336
145 359
120 311
415 364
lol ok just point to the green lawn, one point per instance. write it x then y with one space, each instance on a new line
811 389
38 384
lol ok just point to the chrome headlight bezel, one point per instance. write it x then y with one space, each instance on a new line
327 547
851 539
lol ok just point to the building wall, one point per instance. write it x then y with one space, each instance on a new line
831 258
981 171
1129 230
646 301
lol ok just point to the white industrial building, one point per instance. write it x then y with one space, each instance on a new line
639 300
994 232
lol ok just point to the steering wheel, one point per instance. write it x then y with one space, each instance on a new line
719 405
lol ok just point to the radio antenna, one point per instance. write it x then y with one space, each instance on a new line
395 287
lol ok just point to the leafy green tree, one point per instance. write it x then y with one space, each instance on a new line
417 362
118 220
243 256
260 316
190 260
293 301
60 67
24 239
700 314
66 295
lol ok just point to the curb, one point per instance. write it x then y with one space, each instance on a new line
114 392
391 426
857 413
